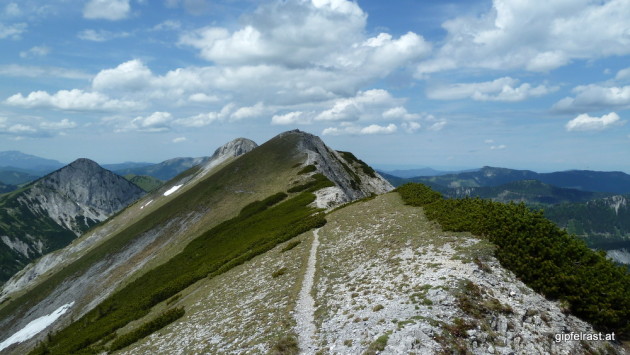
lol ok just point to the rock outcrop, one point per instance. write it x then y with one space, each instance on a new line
353 179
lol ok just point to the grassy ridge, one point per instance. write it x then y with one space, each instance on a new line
253 170
257 229
545 257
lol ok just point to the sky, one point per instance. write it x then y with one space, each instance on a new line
539 85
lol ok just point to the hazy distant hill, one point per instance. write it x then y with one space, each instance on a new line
596 181
409 173
165 170
4 188
529 191
126 165
11 176
147 183
15 159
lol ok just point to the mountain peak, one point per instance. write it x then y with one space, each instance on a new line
84 163
234 148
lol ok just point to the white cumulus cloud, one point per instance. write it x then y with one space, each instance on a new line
594 97
504 89
12 31
534 36
584 122
72 100
360 130
63 124
291 118
155 122
37 51
100 35
112 10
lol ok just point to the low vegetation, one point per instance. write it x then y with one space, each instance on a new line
258 228
317 182
287 345
350 158
147 328
544 256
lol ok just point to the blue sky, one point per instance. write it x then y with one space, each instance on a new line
451 84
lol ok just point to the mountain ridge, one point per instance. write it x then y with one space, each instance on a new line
213 262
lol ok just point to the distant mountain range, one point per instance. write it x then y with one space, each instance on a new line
17 168
409 173
26 162
592 205
165 170
586 180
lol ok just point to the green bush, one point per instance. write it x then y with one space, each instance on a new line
279 272
287 345
147 328
290 246
307 169
543 256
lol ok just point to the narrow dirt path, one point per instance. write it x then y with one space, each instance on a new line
305 308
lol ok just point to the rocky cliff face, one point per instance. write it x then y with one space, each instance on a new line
234 148
52 211
352 177
79 195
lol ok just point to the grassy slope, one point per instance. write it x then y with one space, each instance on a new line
266 169
256 230
254 175
146 183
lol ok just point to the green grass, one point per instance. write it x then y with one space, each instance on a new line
287 345
377 345
146 183
291 245
317 182
307 169
147 328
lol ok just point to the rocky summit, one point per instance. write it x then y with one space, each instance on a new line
52 211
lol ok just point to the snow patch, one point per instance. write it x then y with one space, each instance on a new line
146 204
172 189
35 326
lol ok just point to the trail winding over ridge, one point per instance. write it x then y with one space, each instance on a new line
305 307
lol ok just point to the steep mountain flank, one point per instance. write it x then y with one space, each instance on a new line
50 212
385 280
352 177
162 227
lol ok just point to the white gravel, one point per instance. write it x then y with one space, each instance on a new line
305 307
